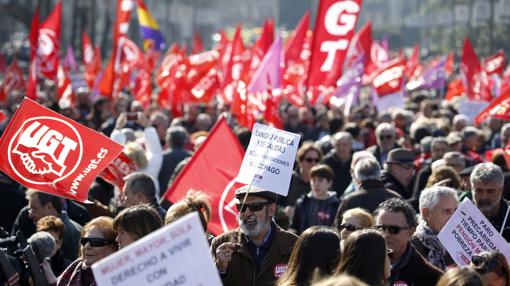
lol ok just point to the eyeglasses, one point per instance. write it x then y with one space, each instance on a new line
386 137
484 264
95 242
311 160
393 229
348 227
254 207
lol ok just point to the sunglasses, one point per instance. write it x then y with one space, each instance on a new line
348 227
254 207
95 242
487 264
311 160
386 137
393 229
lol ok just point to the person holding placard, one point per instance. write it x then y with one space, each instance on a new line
256 253
487 183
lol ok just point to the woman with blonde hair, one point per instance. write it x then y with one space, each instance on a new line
352 220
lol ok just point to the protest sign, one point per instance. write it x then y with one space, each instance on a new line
46 151
177 254
269 159
468 232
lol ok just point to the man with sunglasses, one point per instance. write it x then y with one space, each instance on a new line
258 251
399 171
487 184
396 220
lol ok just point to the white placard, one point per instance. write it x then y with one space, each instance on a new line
269 159
472 108
177 254
468 232
389 101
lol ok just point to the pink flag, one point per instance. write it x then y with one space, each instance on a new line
269 68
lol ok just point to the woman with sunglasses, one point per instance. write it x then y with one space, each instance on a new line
493 268
352 220
308 156
365 256
97 242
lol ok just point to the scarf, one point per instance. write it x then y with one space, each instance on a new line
436 252
77 274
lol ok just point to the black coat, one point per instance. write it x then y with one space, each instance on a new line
369 195
390 182
342 177
414 270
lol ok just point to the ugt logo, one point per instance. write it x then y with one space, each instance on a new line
45 150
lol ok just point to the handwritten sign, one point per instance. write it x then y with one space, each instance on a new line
468 232
269 159
177 254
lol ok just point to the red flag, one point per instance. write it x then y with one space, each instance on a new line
65 95
360 45
130 58
201 78
13 80
414 61
48 45
118 169
214 173
333 32
32 69
197 45
499 108
2 116
473 75
271 114
455 88
44 150
107 85
91 59
495 64
294 44
3 63
261 46
450 61
390 78
142 90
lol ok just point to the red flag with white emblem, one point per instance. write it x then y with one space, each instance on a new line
13 80
390 78
46 151
213 173
48 45
495 64
499 108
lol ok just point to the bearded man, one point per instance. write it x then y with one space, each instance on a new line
258 251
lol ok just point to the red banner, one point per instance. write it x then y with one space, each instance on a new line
390 78
334 29
13 80
118 169
44 150
499 108
48 45
495 64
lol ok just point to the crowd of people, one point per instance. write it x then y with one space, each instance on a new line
368 196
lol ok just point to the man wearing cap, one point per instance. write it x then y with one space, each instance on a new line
399 172
258 251
487 183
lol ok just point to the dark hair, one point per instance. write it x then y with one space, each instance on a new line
398 205
364 256
305 258
177 136
138 220
322 171
141 183
45 198
491 261
464 276
307 147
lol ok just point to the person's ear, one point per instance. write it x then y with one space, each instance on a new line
425 213
272 209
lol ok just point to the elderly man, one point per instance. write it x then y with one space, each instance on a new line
140 189
385 135
396 221
257 253
339 160
437 205
399 172
370 189
487 183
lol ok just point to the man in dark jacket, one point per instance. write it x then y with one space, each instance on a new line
396 220
399 172
176 138
487 182
258 251
371 191
140 189
339 160
386 138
